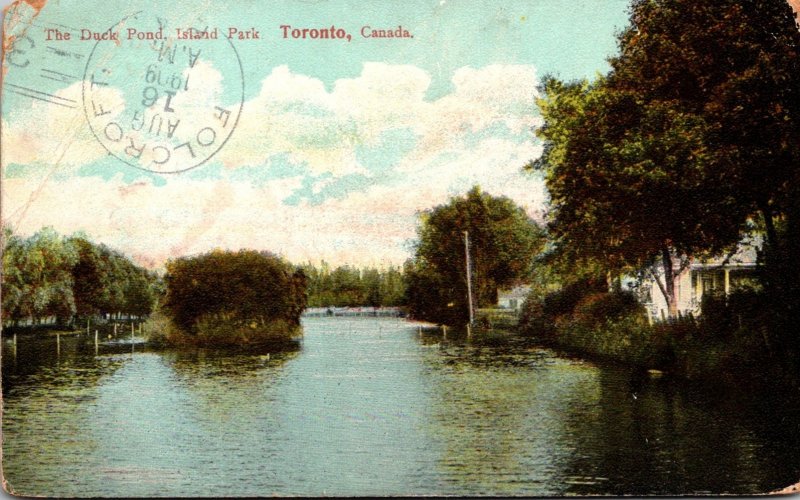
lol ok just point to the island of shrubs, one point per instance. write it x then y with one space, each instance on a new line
221 299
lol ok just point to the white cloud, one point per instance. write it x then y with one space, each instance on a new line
295 115
186 216
477 134
52 135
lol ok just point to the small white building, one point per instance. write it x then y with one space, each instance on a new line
700 277
513 298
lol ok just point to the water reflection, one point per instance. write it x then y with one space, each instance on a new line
498 413
513 418
49 360
649 437
228 387
374 406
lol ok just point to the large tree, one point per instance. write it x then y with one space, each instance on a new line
503 241
626 182
37 278
694 130
735 64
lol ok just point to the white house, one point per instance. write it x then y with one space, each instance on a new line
513 298
699 277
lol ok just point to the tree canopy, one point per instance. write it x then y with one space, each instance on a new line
242 287
503 240
49 275
695 130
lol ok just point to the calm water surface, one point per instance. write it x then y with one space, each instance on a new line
373 406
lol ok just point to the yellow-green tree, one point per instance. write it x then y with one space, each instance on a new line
503 241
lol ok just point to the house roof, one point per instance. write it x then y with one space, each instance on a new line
745 256
518 292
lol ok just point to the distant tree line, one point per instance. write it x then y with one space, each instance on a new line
70 278
350 286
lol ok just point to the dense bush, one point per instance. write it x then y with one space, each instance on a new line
731 337
234 298
597 308
539 314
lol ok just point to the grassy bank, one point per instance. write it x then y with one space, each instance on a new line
731 343
219 333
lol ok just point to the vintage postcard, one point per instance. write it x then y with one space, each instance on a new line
431 247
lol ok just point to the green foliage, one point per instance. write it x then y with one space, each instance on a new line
695 130
597 308
220 332
540 313
37 281
615 169
107 281
735 65
430 296
732 338
348 286
49 275
503 241
232 297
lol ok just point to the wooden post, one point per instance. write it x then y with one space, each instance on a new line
469 330
58 343
727 282
96 343
115 329
698 287
469 277
444 331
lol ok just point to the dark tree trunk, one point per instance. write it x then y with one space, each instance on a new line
769 224
669 282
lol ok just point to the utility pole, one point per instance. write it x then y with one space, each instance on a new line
469 278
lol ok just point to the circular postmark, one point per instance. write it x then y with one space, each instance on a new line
162 98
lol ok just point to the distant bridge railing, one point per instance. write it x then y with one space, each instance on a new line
366 311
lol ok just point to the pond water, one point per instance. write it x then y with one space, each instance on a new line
373 406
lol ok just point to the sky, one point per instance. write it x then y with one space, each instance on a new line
318 149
